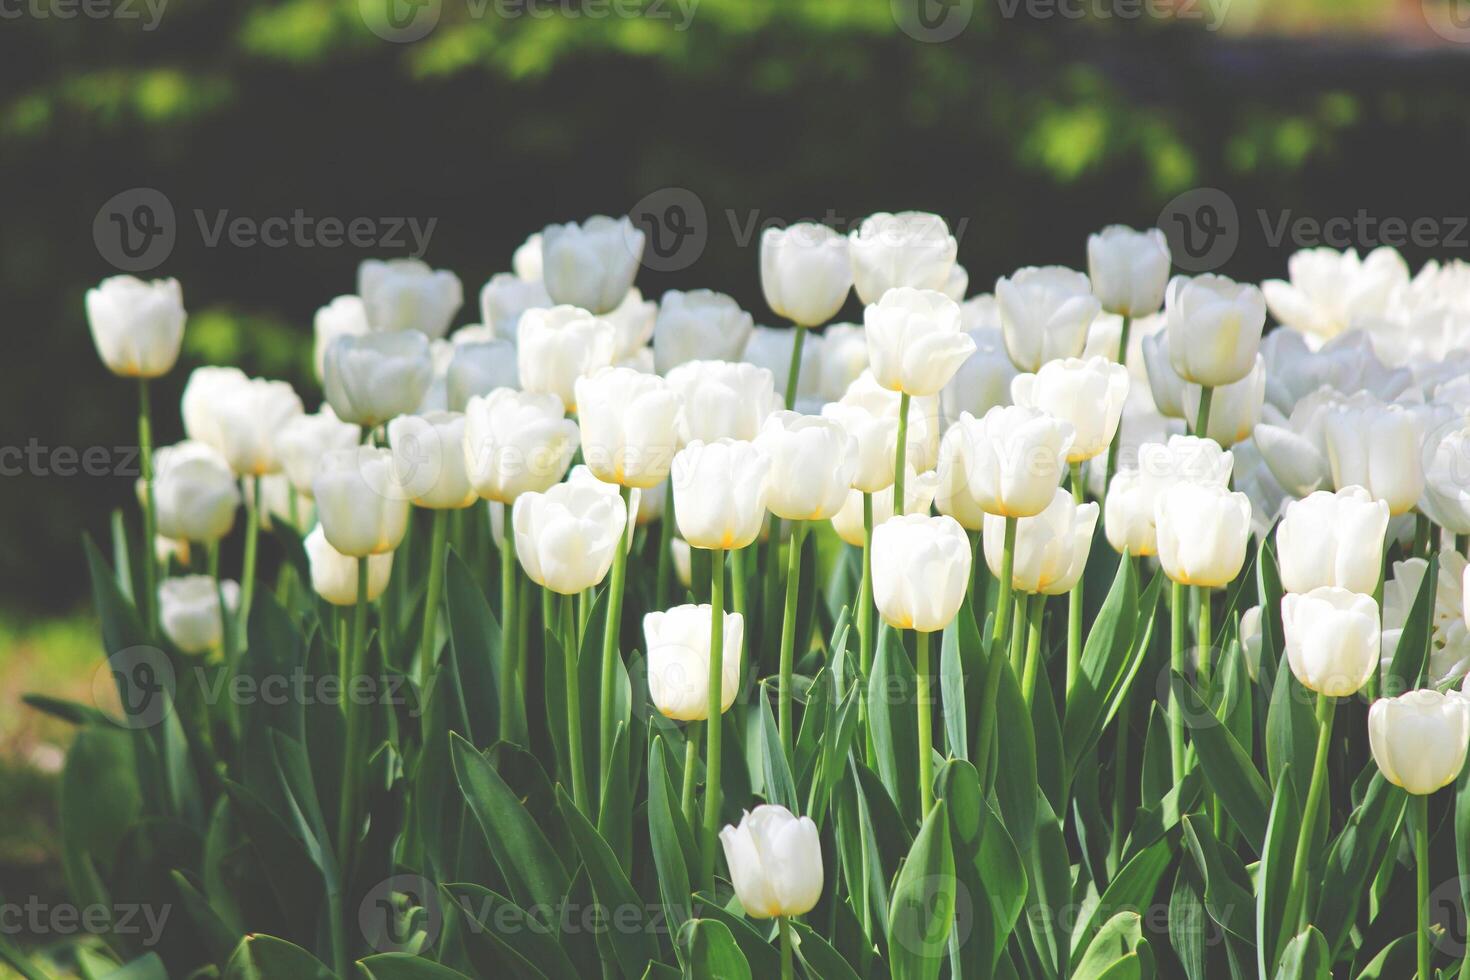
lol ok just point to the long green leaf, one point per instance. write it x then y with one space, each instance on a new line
922 910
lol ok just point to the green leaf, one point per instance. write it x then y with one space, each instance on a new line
502 934
1105 659
1397 959
922 910
478 650
218 938
1410 663
1273 878
1291 731
988 867
1188 922
668 853
763 958
267 958
1049 904
1015 778
1306 958
1228 896
1112 952
780 787
710 951
1132 888
402 966
891 712
1353 859
821 958
1227 768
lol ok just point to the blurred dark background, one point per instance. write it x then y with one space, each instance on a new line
1037 122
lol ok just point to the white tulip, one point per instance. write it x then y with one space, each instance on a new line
698 325
915 344
1087 394
1235 408
334 575
1183 459
805 272
581 475
527 259
1377 446
720 493
723 399
678 645
630 426
875 442
406 294
305 439
1128 517
205 391
1332 539
1045 314
566 537
1328 288
345 316
921 569
844 357
246 417
683 559
137 326
1254 479
1449 639
560 345
591 265
1129 269
373 378
194 492
189 611
911 249
918 494
362 508
506 297
983 381
1008 463
1202 532
1347 363
957 284
1051 548
921 447
775 861
478 369
429 460
813 461
1419 739
1164 384
1446 498
516 442
1332 639
1214 326
274 503
1295 448
633 322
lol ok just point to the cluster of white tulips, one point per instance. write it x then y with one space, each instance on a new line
940 430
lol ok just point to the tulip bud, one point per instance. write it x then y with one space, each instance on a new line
378 376
910 249
983 380
1087 394
429 460
918 493
344 316
1449 640
246 416
516 442
1446 498
630 426
137 326
305 439
678 660
334 575
1328 288
204 392
633 323
843 358
722 399
1045 314
560 345
915 344
1128 519
698 325
1419 739
194 493
406 294
1332 539
591 265
479 368
813 461
1235 408
362 508
1214 326
921 448
775 861
1129 269
1377 446
566 537
505 298
1183 459
527 260
1332 639
921 569
1051 548
805 272
581 475
875 438
720 493
957 284
1202 531
1251 640
189 611
1008 463
1166 387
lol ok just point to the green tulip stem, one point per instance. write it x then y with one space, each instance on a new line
1178 603
712 740
512 674
1295 915
1204 636
252 544
900 456
610 651
787 965
1034 617
788 639
356 731
1423 536
737 571
793 375
1116 445
866 637
1202 420
1074 600
1021 604
149 605
574 703
691 763
438 541
995 662
926 724
227 648
665 546
1419 814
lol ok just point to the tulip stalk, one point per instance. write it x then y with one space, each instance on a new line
610 651
1178 600
1034 615
793 374
1074 600
926 724
691 761
149 605
1295 912
252 542
351 661
787 966
788 637
865 621
1203 635
712 741
512 677
900 502
1202 420
1419 815
438 542
1117 444
997 652
665 548
574 704
1423 536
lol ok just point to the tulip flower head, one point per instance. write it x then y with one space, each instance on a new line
1419 738
362 507
1446 498
305 439
189 611
630 426
720 493
1235 408
722 399
918 493
983 381
698 325
1088 394
1327 288
555 347
915 341
334 575
591 265
429 460
1379 447
137 326
345 316
373 378
678 643
805 272
194 491
813 461
1008 463
516 442
1051 548
1332 639
775 861
1202 531
911 249
1214 326
1128 516
1129 269
1045 314
506 297
566 537
479 368
406 294
1332 539
1165 386
921 569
